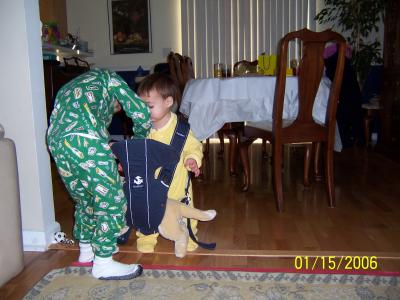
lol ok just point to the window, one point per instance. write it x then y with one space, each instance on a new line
227 31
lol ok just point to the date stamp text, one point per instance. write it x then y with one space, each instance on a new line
336 262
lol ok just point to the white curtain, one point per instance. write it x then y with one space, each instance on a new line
227 31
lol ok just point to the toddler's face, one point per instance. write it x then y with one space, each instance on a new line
159 107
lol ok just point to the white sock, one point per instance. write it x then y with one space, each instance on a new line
107 268
85 253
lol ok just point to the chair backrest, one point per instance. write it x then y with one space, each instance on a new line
310 72
244 67
181 70
162 68
175 61
187 69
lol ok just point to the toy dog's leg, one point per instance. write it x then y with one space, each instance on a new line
197 214
182 241
175 231
169 227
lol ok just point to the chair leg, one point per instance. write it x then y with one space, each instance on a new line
317 160
330 185
264 148
207 147
221 142
307 162
233 147
244 157
367 122
277 175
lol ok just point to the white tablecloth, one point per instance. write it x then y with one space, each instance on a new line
212 102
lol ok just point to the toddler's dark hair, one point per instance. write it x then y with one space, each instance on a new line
162 83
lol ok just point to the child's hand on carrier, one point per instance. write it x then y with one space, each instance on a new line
191 164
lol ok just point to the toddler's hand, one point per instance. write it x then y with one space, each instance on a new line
191 164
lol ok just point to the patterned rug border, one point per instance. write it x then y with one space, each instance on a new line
273 270
231 278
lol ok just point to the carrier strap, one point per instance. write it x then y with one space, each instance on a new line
186 201
178 141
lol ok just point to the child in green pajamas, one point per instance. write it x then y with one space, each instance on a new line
78 141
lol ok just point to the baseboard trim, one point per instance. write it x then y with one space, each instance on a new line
287 254
39 241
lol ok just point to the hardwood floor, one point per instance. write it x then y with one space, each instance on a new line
250 232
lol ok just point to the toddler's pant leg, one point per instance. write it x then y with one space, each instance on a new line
146 243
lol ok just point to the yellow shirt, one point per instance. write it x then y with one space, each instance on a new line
192 149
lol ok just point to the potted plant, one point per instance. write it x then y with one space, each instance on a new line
358 18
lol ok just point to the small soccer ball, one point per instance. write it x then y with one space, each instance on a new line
59 236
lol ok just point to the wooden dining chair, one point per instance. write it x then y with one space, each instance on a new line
245 68
231 130
175 67
181 70
303 129
187 69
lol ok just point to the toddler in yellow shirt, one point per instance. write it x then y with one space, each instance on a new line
159 92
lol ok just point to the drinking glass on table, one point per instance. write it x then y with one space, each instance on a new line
218 68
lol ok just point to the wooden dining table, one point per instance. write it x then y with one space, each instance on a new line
209 103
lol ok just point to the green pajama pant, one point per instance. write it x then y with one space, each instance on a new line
90 174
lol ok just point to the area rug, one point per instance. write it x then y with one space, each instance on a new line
189 283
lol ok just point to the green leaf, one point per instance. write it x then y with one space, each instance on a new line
360 18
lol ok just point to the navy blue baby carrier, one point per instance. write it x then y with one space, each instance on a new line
146 194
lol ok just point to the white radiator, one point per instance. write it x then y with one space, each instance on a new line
11 250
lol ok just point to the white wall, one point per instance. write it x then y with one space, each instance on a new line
90 17
23 115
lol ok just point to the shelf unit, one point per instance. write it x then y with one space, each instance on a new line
64 51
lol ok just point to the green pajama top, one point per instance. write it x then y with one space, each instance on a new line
78 141
85 106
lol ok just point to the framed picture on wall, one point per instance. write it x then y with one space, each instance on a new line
129 26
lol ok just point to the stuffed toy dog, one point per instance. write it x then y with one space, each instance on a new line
149 210
174 228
